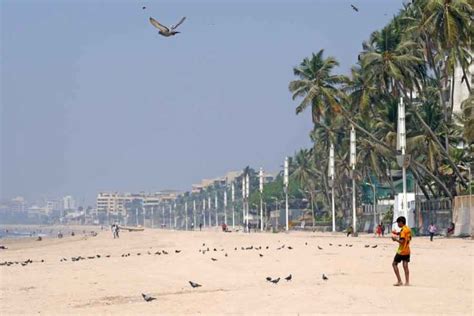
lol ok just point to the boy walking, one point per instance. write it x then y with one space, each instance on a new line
403 251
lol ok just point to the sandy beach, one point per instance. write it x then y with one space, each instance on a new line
360 279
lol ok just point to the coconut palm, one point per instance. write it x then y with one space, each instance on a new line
317 85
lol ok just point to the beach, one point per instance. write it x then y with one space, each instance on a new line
360 278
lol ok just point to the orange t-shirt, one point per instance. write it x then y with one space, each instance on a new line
404 248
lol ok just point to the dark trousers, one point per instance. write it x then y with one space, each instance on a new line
431 236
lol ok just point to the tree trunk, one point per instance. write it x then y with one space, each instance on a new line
435 138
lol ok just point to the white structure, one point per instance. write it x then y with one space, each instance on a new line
398 209
69 203
461 92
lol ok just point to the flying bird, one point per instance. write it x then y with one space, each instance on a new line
356 9
325 278
260 255
166 31
367 246
143 8
148 298
194 285
289 247
275 281
320 248
288 278
375 246
213 259
269 279
177 251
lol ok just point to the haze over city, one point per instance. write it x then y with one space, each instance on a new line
94 99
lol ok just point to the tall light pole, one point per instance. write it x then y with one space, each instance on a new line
403 160
163 219
225 205
136 215
209 208
247 193
216 207
353 161
260 175
204 212
286 182
152 215
194 213
331 174
233 205
186 214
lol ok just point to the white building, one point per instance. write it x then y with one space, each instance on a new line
461 92
114 203
69 203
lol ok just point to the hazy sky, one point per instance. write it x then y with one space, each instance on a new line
92 98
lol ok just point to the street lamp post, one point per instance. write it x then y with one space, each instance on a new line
136 216
186 215
194 214
152 215
285 182
261 197
225 205
247 192
204 212
209 207
244 187
233 205
331 173
353 161
402 159
216 207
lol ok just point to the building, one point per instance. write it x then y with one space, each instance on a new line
115 203
69 203
461 92
227 179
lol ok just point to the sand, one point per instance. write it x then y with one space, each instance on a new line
360 279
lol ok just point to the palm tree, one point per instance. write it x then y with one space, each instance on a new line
305 175
316 85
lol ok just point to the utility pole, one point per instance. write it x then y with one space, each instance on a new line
285 182
233 205
260 175
186 214
216 207
353 161
403 159
331 174
247 191
225 206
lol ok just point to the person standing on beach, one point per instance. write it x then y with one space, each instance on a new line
403 251
117 230
432 230
200 226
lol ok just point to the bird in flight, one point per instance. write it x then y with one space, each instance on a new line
166 31
325 278
288 278
148 298
356 9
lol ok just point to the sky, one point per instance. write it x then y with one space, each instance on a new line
93 99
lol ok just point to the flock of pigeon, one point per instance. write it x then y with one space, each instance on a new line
204 249
171 30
